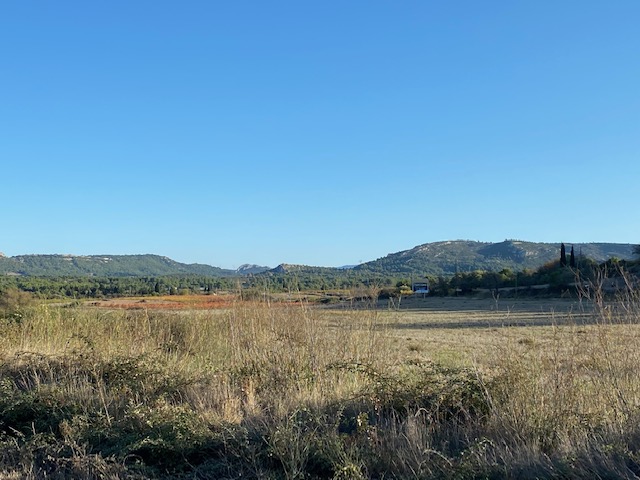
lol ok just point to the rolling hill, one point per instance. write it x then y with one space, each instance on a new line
449 257
438 258
104 266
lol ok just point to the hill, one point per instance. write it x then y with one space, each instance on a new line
303 269
449 257
104 266
250 269
438 258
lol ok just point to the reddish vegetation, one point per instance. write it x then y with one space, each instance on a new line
169 302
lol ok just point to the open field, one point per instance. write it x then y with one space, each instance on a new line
427 388
465 331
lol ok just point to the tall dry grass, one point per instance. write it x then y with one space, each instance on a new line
145 385
567 404
292 391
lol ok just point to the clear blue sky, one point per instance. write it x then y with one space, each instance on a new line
322 133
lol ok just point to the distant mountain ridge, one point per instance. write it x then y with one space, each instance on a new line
449 257
306 269
437 258
146 265
249 269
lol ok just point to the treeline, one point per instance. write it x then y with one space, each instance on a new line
75 287
554 277
328 279
101 287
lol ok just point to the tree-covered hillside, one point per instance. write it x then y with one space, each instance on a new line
450 257
439 258
104 266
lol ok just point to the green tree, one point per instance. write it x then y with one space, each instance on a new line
572 258
563 255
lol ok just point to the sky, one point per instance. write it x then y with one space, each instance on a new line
320 133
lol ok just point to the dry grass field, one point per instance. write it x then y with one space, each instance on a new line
468 331
422 388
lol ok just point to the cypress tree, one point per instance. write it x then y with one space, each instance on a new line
563 255
572 258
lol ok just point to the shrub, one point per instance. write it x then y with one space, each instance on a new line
14 303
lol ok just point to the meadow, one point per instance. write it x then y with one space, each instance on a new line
448 388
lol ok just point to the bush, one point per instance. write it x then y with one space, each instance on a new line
14 302
389 292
